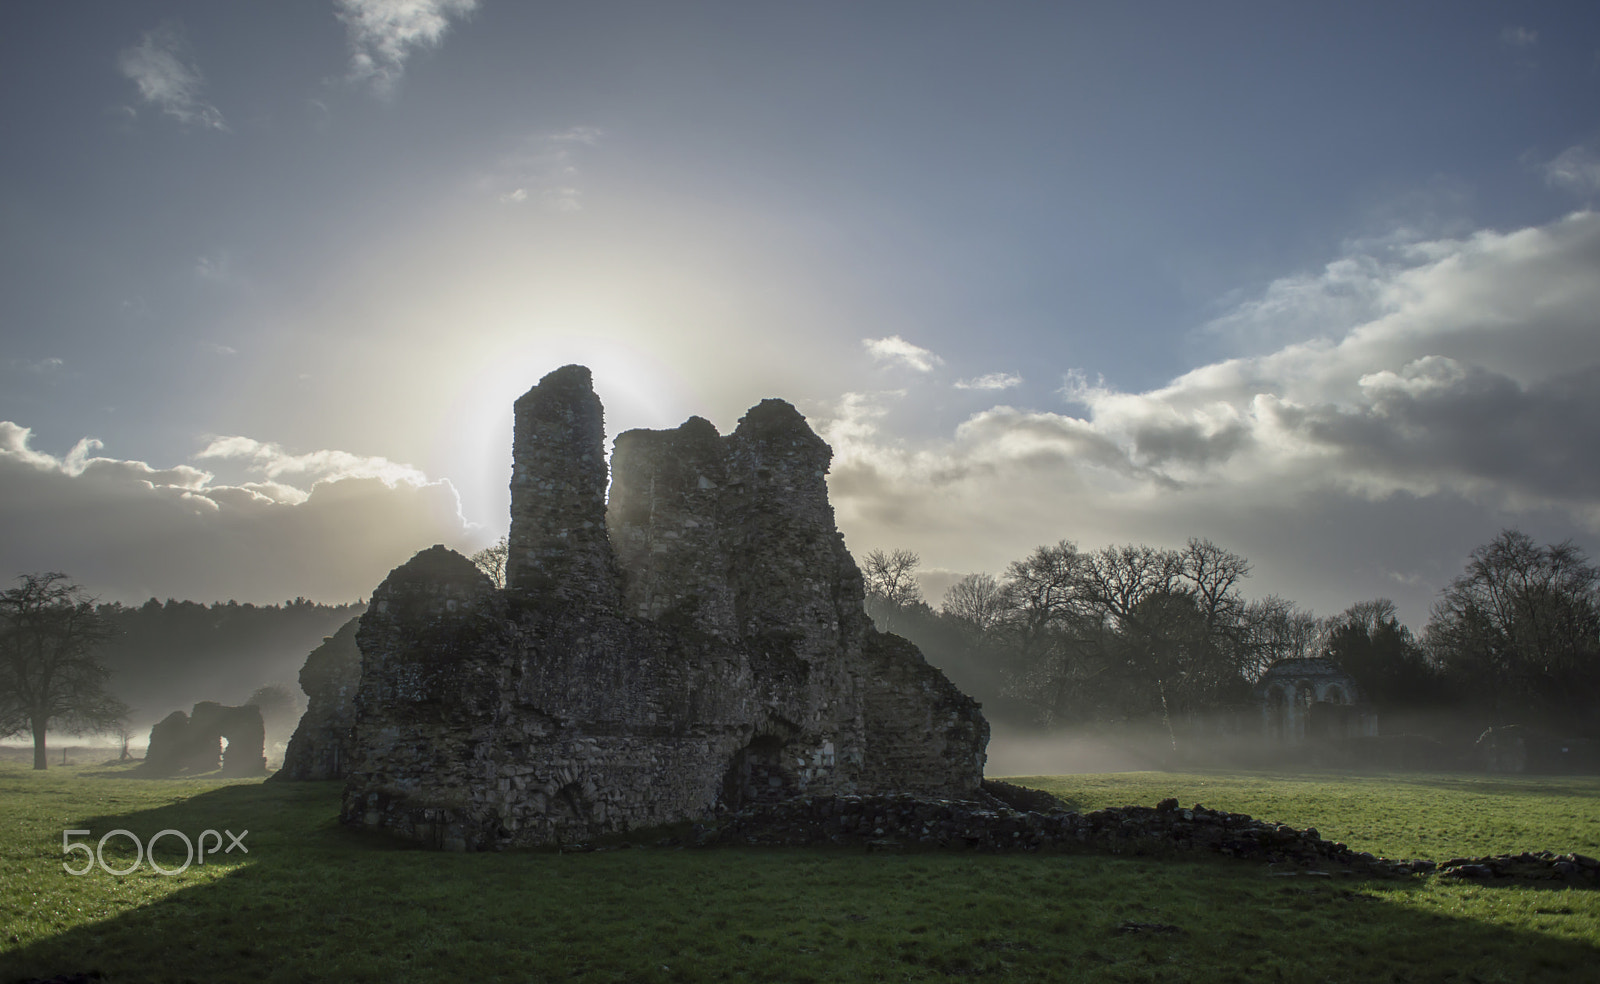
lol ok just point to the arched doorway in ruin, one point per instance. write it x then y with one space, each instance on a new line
1277 714
213 734
759 772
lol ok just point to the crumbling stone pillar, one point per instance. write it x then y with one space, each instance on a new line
559 549
666 527
794 576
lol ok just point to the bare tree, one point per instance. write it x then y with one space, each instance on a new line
1117 580
1051 632
1275 628
124 732
1215 574
1518 628
891 585
977 600
1043 594
48 673
492 559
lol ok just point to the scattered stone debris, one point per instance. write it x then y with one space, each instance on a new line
1167 828
1533 866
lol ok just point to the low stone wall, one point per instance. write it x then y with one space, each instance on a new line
904 822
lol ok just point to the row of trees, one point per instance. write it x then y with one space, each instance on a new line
1063 636
1133 631
1119 633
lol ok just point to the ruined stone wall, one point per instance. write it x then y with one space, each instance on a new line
322 743
558 543
720 657
923 735
194 742
666 525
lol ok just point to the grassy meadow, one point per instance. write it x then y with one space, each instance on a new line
313 902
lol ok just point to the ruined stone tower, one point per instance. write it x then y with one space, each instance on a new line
699 641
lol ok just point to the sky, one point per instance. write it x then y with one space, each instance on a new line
1319 283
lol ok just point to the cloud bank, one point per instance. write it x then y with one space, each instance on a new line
1462 373
326 525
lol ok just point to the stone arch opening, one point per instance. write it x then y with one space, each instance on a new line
1277 713
759 772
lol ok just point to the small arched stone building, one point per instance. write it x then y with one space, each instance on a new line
1313 699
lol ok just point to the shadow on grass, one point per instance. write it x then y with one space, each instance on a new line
312 901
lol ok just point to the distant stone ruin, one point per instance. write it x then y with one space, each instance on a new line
1313 699
698 642
320 747
192 743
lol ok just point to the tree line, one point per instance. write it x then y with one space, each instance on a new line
1063 637
1135 633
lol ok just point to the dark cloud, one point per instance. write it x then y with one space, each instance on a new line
1438 421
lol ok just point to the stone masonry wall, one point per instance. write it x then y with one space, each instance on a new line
321 745
720 657
558 543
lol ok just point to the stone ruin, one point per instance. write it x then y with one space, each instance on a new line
193 742
320 747
697 643
1313 699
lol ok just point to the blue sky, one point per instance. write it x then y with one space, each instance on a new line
1317 283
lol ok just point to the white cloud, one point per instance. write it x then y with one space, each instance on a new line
990 381
543 168
1519 37
39 367
1576 169
129 530
166 80
384 33
217 269
272 461
897 350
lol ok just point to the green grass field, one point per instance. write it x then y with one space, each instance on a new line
314 902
